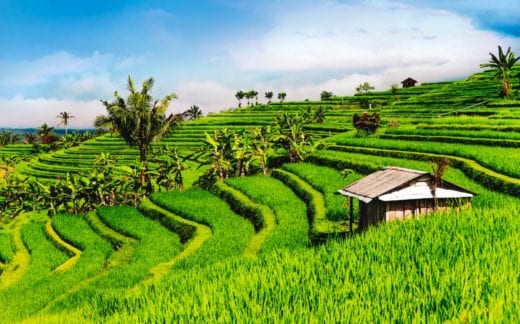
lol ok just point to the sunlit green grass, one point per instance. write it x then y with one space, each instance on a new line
456 266
291 231
328 181
231 233
500 159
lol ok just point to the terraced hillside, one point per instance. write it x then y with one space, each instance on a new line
16 150
437 108
242 251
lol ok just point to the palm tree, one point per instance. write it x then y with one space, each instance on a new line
104 123
64 119
240 95
249 95
281 96
193 113
140 120
502 66
269 96
254 94
46 134
45 130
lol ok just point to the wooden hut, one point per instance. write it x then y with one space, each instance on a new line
396 193
409 82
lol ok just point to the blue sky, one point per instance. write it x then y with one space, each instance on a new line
59 55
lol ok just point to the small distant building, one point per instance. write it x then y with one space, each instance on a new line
409 82
397 193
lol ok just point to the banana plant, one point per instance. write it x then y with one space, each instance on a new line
290 136
262 138
216 152
169 171
242 154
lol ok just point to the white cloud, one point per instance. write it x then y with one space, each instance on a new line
88 85
40 70
24 112
210 96
65 76
367 36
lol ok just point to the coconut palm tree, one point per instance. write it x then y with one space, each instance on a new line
254 94
193 113
281 96
502 64
269 96
64 119
249 95
103 123
240 95
46 133
140 120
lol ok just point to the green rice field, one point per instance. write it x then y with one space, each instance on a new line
279 247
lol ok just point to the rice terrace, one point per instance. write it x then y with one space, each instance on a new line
395 204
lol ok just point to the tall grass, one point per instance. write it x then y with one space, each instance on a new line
291 231
455 266
231 233
328 181
154 244
500 159
32 291
6 247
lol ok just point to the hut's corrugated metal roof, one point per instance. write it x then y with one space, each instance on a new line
421 190
381 182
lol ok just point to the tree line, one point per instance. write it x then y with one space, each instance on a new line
253 94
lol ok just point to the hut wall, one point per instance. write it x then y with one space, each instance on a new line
406 209
413 208
372 213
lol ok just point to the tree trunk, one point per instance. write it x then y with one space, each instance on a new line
435 203
144 165
505 88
